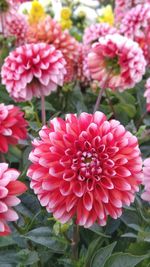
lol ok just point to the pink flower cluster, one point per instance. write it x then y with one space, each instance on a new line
12 126
95 31
91 35
85 166
16 25
123 6
50 31
136 26
116 62
10 188
33 70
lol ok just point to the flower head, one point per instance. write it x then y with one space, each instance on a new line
12 126
10 188
116 62
50 31
136 25
33 70
146 179
123 6
95 31
66 24
147 94
65 13
17 26
36 12
107 15
91 35
85 166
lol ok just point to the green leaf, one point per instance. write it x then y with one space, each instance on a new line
124 260
102 255
129 109
98 230
130 235
6 241
44 236
24 256
93 247
125 97
28 257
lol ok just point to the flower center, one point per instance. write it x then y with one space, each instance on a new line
113 65
88 165
88 160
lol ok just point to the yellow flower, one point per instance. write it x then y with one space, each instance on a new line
66 24
36 12
65 13
107 15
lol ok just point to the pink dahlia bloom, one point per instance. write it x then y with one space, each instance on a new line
33 70
95 31
12 126
147 94
116 62
85 166
136 25
10 188
16 25
123 6
50 32
146 179
91 35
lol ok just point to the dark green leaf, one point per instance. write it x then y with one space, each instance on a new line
43 236
124 260
102 255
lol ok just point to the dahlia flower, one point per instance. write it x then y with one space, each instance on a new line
147 94
95 31
85 166
7 9
123 6
10 188
17 26
135 25
146 180
91 35
116 62
50 31
12 126
33 70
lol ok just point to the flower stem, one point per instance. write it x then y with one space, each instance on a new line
43 110
111 104
75 241
99 99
